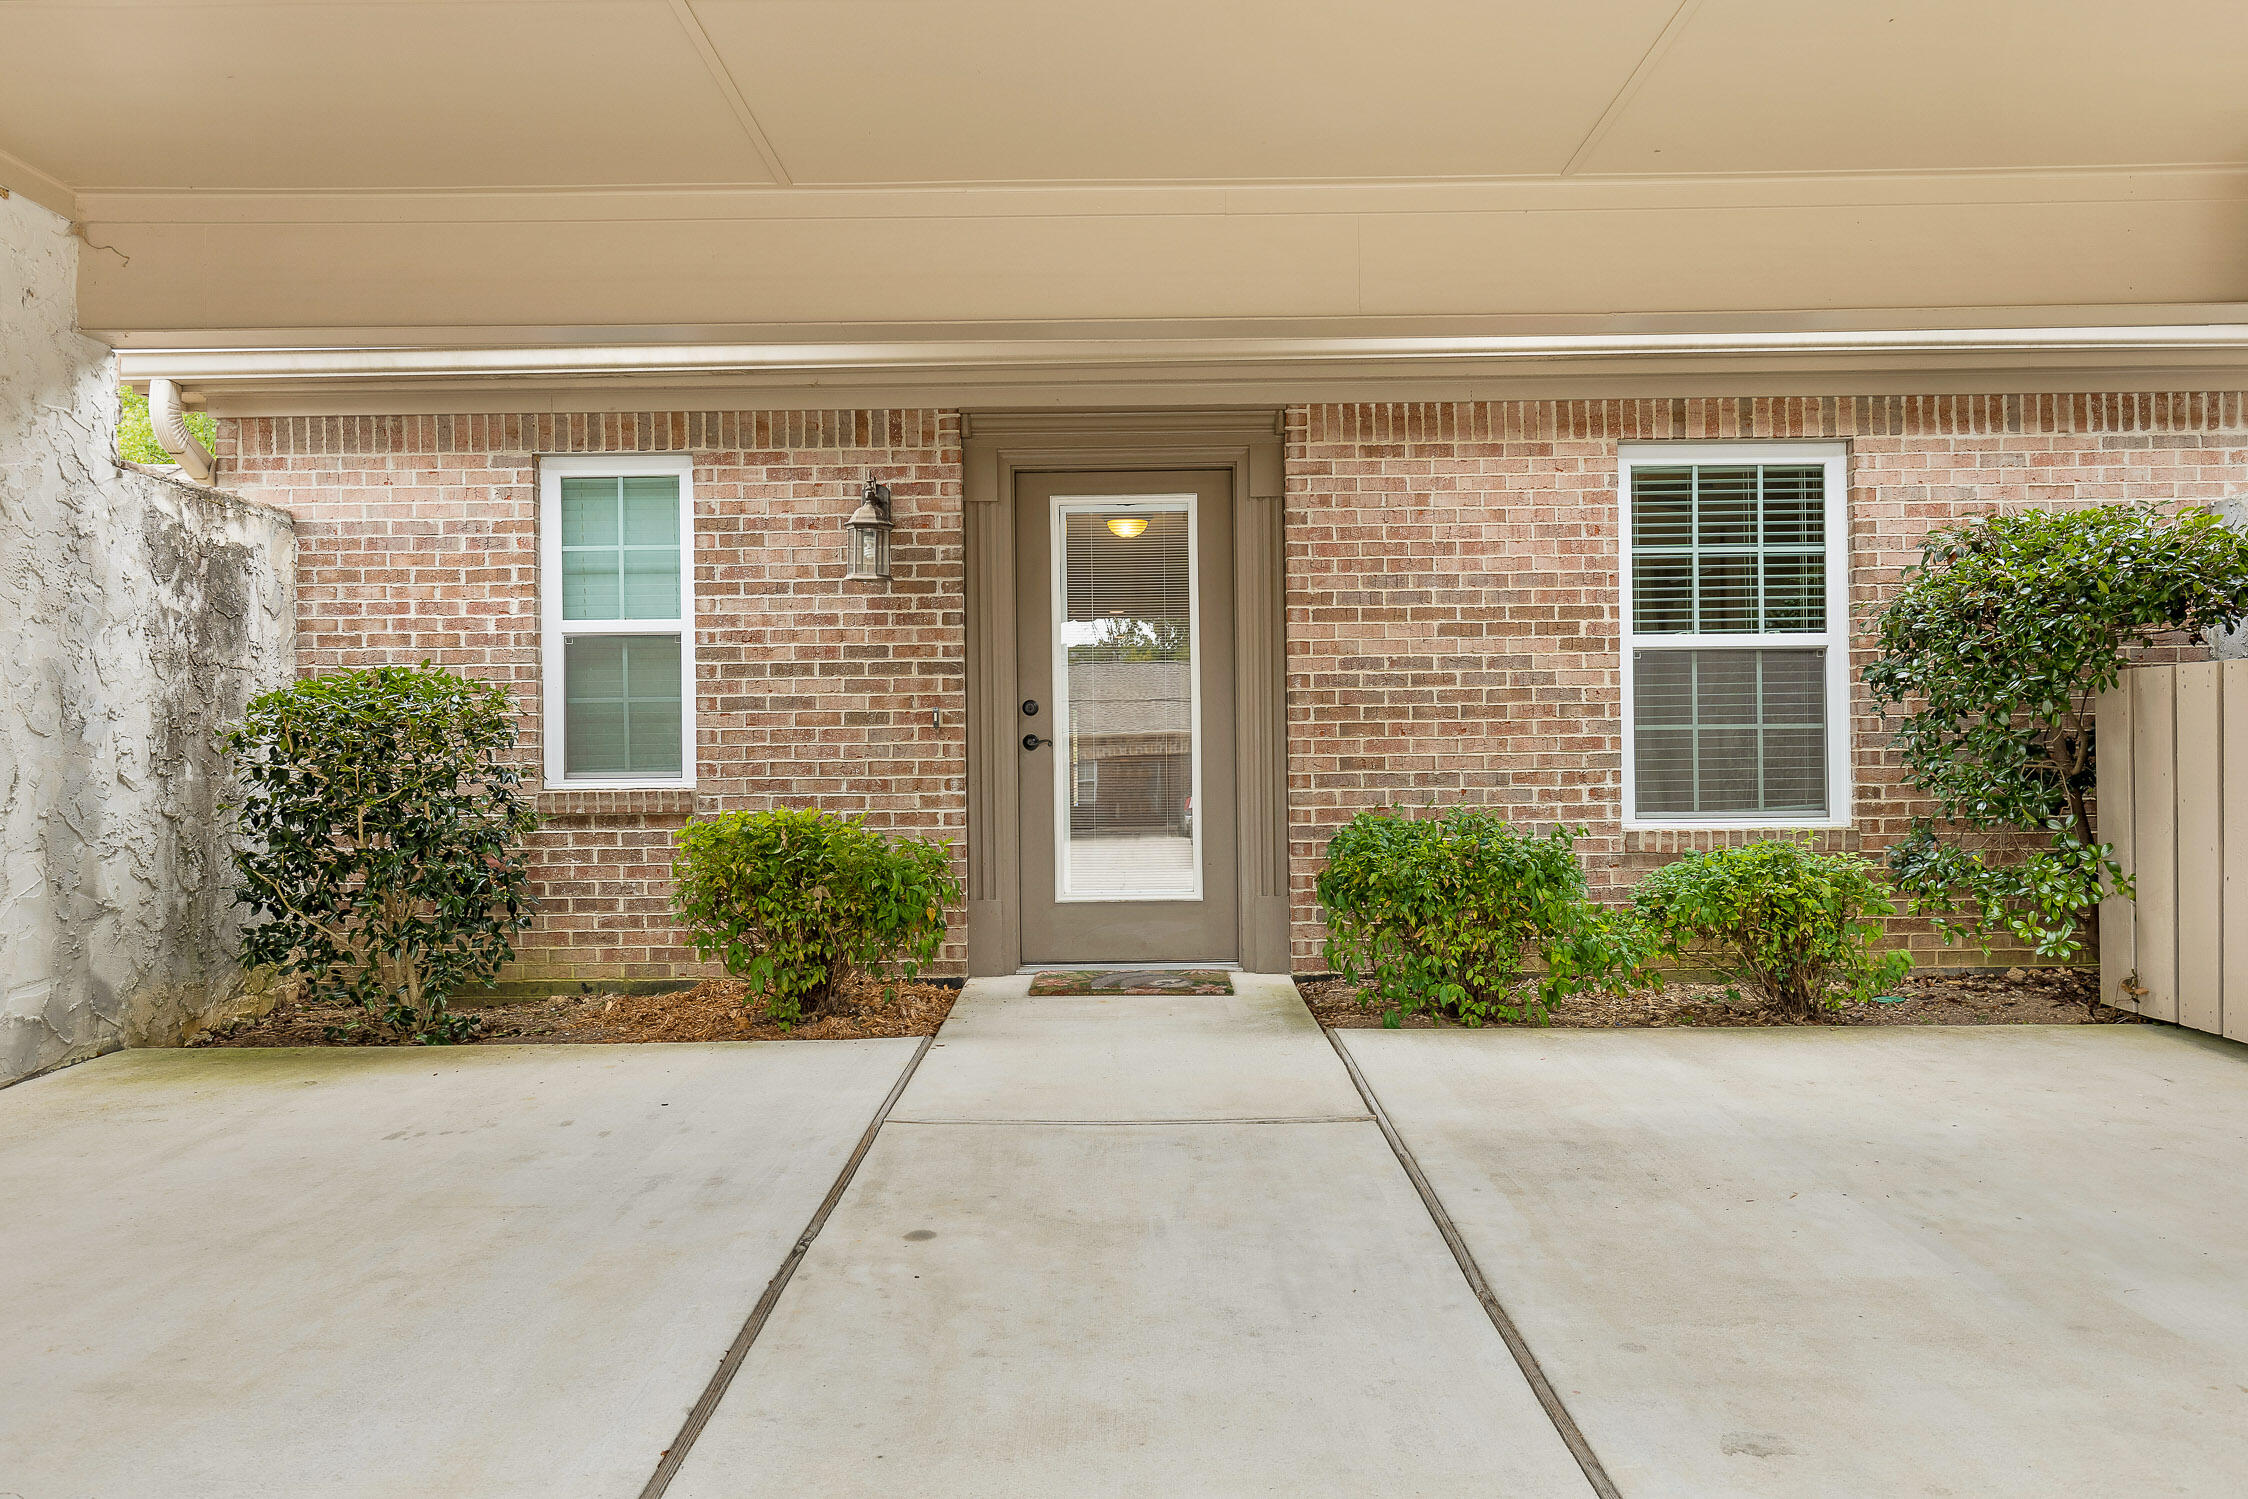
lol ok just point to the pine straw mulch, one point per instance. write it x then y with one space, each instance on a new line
713 1010
2013 996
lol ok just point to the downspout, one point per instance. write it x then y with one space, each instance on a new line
168 421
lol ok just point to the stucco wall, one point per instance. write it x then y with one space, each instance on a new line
137 615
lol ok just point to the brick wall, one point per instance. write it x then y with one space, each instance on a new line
1453 611
417 539
1453 627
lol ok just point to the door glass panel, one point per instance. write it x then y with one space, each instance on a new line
1126 771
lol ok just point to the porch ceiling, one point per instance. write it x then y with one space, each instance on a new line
446 173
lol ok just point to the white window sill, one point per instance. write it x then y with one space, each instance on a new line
1739 824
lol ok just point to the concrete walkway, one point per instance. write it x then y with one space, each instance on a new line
456 1272
1130 1246
1127 1245
1980 1261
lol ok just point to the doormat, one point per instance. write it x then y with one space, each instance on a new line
1132 981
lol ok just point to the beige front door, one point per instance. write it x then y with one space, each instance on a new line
1124 702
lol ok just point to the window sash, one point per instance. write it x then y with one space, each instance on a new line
1698 741
1832 640
633 737
1693 523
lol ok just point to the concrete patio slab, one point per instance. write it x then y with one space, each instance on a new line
1254 1054
1001 1310
1987 1261
460 1271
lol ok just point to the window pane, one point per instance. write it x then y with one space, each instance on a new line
589 512
1662 687
1794 686
651 583
1728 594
589 584
1729 733
1795 770
1725 770
652 747
1664 764
1724 688
1662 507
1794 506
1795 592
1662 591
651 510
622 712
1725 507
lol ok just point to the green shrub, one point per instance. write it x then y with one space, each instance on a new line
1992 652
1467 916
382 826
1791 925
793 901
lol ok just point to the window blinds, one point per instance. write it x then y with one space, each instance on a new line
1726 730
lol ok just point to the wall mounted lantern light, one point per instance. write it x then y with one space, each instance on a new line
869 525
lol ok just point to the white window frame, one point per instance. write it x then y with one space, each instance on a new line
553 629
1834 639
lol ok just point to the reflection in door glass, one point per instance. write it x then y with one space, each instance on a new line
1126 783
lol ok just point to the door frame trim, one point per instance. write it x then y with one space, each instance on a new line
995 447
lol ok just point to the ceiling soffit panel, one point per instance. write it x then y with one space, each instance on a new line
869 91
1784 85
366 95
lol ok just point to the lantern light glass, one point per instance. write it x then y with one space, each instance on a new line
867 556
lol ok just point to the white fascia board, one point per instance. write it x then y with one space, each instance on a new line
1374 356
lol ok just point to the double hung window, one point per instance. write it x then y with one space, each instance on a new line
1736 655
617 609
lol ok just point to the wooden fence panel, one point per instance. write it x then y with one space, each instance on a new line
2198 972
2118 913
2173 800
2232 988
2154 830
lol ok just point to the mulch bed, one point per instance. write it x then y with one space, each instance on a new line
2013 996
714 1010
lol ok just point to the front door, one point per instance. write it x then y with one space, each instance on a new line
1125 705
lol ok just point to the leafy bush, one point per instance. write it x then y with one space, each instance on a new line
1468 916
1992 652
1792 925
793 901
382 830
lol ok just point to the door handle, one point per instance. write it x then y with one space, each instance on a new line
1032 741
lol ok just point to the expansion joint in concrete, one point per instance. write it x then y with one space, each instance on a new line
1548 1397
698 1415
